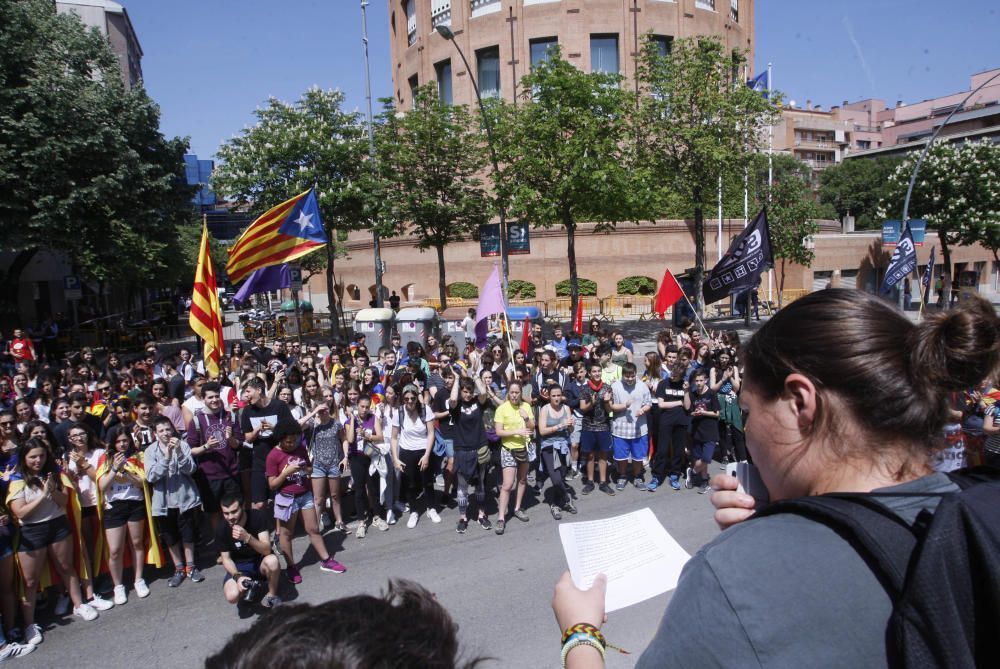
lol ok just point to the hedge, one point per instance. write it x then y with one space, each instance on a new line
637 285
463 290
520 290
587 288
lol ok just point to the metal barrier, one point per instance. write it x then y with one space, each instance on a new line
789 296
561 308
435 303
628 306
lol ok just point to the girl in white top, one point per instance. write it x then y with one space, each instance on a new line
83 457
412 440
387 415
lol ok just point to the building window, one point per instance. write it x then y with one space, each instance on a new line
440 13
443 71
483 7
734 10
411 21
705 4
604 53
414 82
664 44
488 61
540 49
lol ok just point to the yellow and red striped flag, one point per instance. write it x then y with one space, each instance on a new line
285 232
206 317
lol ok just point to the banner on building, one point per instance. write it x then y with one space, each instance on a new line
518 239
893 230
904 261
489 240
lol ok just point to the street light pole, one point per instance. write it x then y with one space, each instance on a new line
446 33
376 243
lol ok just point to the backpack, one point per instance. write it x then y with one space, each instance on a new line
942 574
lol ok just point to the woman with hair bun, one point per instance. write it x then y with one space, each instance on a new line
845 395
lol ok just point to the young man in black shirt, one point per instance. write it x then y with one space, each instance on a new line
244 543
703 405
258 421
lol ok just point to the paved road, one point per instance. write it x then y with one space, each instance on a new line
498 589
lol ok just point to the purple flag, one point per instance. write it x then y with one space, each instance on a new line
263 280
490 302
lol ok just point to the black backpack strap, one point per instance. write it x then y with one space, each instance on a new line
883 539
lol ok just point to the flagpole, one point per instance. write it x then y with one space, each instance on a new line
376 242
770 176
719 235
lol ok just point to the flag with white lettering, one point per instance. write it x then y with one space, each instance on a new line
904 261
747 258
929 270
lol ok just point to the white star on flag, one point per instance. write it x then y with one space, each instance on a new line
304 220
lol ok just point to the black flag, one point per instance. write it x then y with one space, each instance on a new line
739 270
904 261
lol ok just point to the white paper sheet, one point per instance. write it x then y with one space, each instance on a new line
635 552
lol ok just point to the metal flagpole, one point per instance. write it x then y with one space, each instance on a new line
376 245
770 174
719 236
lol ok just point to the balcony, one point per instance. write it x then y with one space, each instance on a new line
827 144
484 7
440 13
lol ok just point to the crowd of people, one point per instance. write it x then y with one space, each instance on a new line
119 464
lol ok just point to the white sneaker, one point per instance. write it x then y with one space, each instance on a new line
380 524
121 597
433 515
361 531
141 588
390 517
15 650
414 519
100 603
63 605
33 635
85 611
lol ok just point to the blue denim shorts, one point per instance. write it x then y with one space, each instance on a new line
321 471
703 450
591 442
443 447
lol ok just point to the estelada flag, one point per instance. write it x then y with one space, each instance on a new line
668 294
525 335
206 317
285 232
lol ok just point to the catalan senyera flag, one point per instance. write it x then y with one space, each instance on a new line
206 317
285 232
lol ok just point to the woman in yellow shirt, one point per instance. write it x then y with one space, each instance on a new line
514 425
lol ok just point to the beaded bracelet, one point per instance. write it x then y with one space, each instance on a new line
581 640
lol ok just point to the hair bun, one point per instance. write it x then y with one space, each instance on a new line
955 349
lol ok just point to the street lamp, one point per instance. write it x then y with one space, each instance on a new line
446 33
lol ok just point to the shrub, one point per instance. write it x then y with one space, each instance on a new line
637 285
520 290
587 287
463 290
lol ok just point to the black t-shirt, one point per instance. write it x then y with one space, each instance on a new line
175 387
262 354
672 391
439 404
257 521
704 428
276 413
470 432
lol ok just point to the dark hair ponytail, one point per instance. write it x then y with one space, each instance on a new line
892 375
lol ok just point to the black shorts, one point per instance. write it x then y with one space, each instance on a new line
213 491
245 456
124 511
37 536
88 512
177 527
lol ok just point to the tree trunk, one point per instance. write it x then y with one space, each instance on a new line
574 282
442 285
781 284
11 284
946 275
331 294
699 250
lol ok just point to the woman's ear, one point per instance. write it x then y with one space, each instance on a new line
803 401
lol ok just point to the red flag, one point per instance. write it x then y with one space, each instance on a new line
525 333
668 294
578 321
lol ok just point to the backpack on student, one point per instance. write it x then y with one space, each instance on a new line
942 574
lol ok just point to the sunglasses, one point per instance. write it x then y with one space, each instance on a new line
409 398
103 388
7 423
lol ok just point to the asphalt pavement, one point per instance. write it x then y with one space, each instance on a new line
497 588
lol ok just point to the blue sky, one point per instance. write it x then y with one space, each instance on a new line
210 63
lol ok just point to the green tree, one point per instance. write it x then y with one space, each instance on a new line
84 168
855 187
695 124
792 216
292 147
957 191
563 152
430 158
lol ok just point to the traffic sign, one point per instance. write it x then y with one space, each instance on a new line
72 287
295 274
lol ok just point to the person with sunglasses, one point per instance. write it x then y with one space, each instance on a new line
412 441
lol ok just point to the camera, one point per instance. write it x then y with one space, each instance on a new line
255 589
